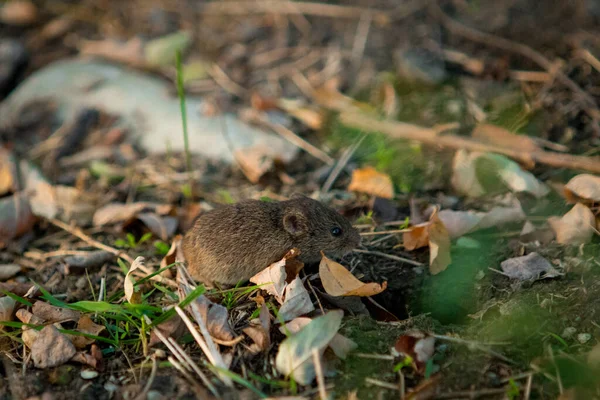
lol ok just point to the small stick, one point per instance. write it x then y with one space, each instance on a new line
360 39
528 387
507 45
300 7
470 394
385 232
225 81
341 164
385 357
144 393
400 130
92 242
390 256
382 384
319 373
297 140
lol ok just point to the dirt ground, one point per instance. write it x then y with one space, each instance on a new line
533 71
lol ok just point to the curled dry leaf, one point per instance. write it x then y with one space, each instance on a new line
294 357
575 227
29 335
131 294
254 161
173 327
118 212
584 188
275 277
174 255
260 330
52 314
162 226
439 246
9 181
296 301
7 308
419 346
417 237
87 326
369 180
216 318
338 281
51 348
528 268
16 217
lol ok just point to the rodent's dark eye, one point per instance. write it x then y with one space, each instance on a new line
337 231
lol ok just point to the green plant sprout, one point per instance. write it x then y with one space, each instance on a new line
131 242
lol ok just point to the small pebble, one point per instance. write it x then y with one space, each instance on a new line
569 332
584 338
89 374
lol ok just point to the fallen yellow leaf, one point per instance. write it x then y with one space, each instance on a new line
338 281
439 245
369 180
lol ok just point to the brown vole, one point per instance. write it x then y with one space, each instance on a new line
234 242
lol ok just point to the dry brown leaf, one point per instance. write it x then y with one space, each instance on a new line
74 204
87 326
52 314
16 217
131 294
338 281
119 212
575 227
173 327
369 180
528 268
275 277
51 348
296 301
308 116
9 182
18 13
502 137
175 254
583 188
162 226
439 246
130 52
85 359
254 161
7 308
418 345
260 330
459 223
216 318
417 237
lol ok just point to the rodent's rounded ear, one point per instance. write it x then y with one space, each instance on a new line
295 223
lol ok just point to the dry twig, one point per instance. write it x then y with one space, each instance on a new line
507 45
400 130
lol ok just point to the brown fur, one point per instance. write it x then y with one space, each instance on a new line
234 242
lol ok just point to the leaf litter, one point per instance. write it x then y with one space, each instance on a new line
95 300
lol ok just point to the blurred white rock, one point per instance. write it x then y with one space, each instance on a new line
145 104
